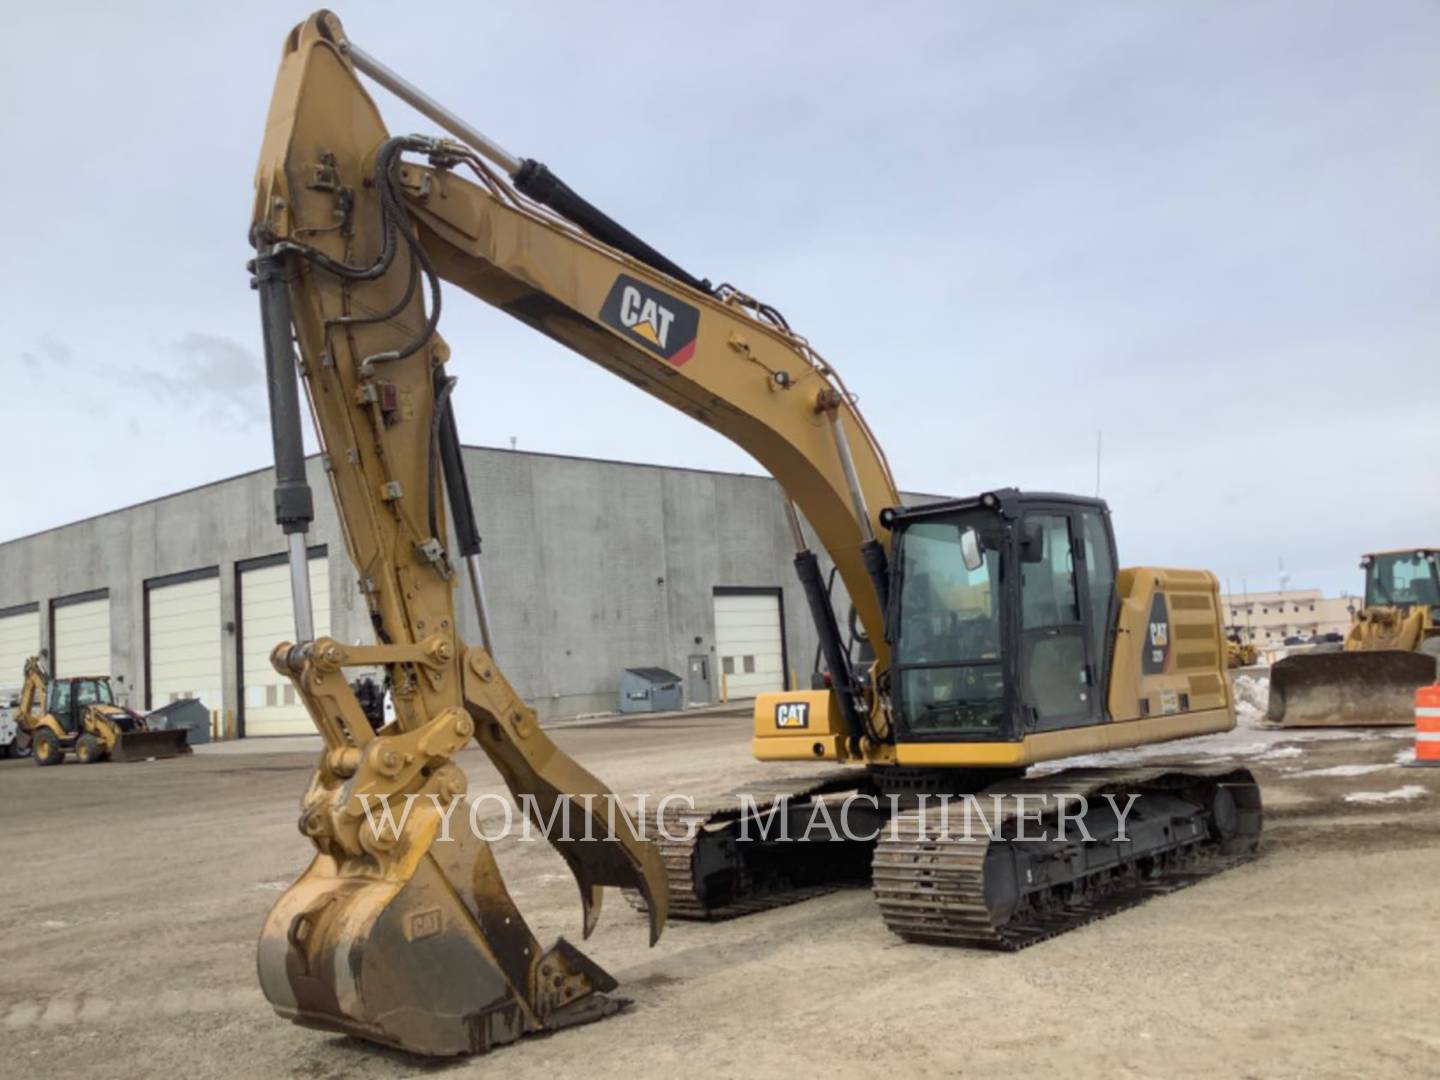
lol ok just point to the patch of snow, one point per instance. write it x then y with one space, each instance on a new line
1370 798
1344 770
1280 753
54 924
1404 757
1252 697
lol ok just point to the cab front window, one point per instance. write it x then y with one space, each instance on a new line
948 626
1408 578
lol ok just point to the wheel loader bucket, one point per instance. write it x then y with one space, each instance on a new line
144 745
1347 689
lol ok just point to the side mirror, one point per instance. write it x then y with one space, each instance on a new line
971 551
1032 545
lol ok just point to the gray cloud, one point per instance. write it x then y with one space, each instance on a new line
208 379
221 380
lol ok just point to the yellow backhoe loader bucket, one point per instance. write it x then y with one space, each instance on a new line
1347 689
146 745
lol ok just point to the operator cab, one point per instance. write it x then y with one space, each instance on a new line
1000 617
1403 579
69 698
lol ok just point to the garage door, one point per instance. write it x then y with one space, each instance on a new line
267 617
82 637
19 640
748 642
184 637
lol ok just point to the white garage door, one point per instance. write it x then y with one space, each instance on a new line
19 640
184 637
82 638
267 617
747 641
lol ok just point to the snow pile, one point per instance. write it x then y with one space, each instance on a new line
1371 798
1252 695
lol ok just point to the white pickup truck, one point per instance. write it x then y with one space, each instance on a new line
9 728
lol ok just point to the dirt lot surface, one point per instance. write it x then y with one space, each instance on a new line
131 897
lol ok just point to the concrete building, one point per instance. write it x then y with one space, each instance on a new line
1268 618
592 567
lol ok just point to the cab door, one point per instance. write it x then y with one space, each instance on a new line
1055 676
61 705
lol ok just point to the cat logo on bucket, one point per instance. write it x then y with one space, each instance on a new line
649 317
792 714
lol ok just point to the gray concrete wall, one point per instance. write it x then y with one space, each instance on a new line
591 567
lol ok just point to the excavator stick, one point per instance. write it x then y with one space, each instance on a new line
1347 689
133 746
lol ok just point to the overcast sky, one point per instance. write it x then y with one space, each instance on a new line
1207 229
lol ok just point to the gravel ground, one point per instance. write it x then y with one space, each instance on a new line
131 897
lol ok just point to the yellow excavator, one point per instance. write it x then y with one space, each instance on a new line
1000 632
78 715
1391 650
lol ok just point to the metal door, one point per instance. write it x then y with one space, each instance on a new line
697 684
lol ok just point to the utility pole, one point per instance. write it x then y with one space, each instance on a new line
1249 627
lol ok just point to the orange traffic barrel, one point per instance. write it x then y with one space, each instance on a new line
1427 725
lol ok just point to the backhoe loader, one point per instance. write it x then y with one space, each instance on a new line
1000 633
1391 650
78 715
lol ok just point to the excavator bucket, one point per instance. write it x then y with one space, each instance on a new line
1347 689
435 961
147 745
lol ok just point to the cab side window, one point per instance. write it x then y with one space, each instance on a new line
1100 580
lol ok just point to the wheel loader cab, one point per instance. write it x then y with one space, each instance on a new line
1000 615
1403 579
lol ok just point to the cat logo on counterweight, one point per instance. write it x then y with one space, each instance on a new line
649 317
792 714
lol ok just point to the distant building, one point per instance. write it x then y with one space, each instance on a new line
1268 618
